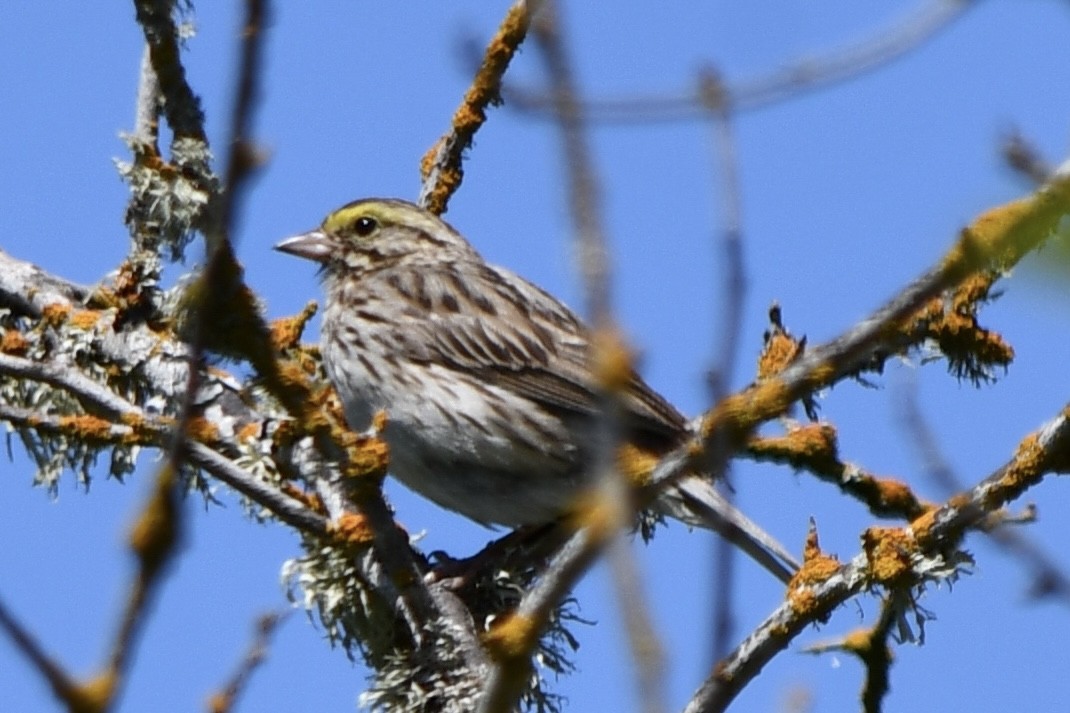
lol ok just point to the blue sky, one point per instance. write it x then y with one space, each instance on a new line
848 193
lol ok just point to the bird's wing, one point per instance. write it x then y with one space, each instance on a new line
487 321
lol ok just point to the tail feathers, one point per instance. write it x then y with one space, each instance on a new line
697 503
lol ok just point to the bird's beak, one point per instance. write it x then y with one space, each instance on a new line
313 245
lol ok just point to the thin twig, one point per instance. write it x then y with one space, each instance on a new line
613 511
797 78
442 168
27 289
1048 577
280 505
226 699
62 686
932 537
711 90
999 237
147 105
1024 158
996 240
814 448
508 677
181 105
159 528
876 655
243 158
156 432
93 396
583 191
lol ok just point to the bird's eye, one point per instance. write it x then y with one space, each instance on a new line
365 226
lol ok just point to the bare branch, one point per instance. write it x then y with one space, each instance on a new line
1048 577
612 359
92 395
930 555
147 109
711 92
225 700
441 168
181 105
797 78
62 686
285 508
27 289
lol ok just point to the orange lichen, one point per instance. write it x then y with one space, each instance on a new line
220 702
817 566
887 495
958 334
804 603
511 638
325 401
202 430
468 116
814 440
353 529
959 500
812 445
895 493
636 464
93 696
308 356
155 531
55 314
739 413
286 332
447 153
859 641
812 545
971 292
14 342
888 553
922 525
816 570
292 385
1028 463
611 360
88 428
310 500
427 161
248 432
132 418
368 457
780 350
1025 469
84 318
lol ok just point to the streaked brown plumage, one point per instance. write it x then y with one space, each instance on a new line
485 378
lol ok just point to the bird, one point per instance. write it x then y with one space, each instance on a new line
486 380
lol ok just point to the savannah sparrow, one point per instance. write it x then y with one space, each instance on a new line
484 377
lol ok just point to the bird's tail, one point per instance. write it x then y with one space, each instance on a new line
694 501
